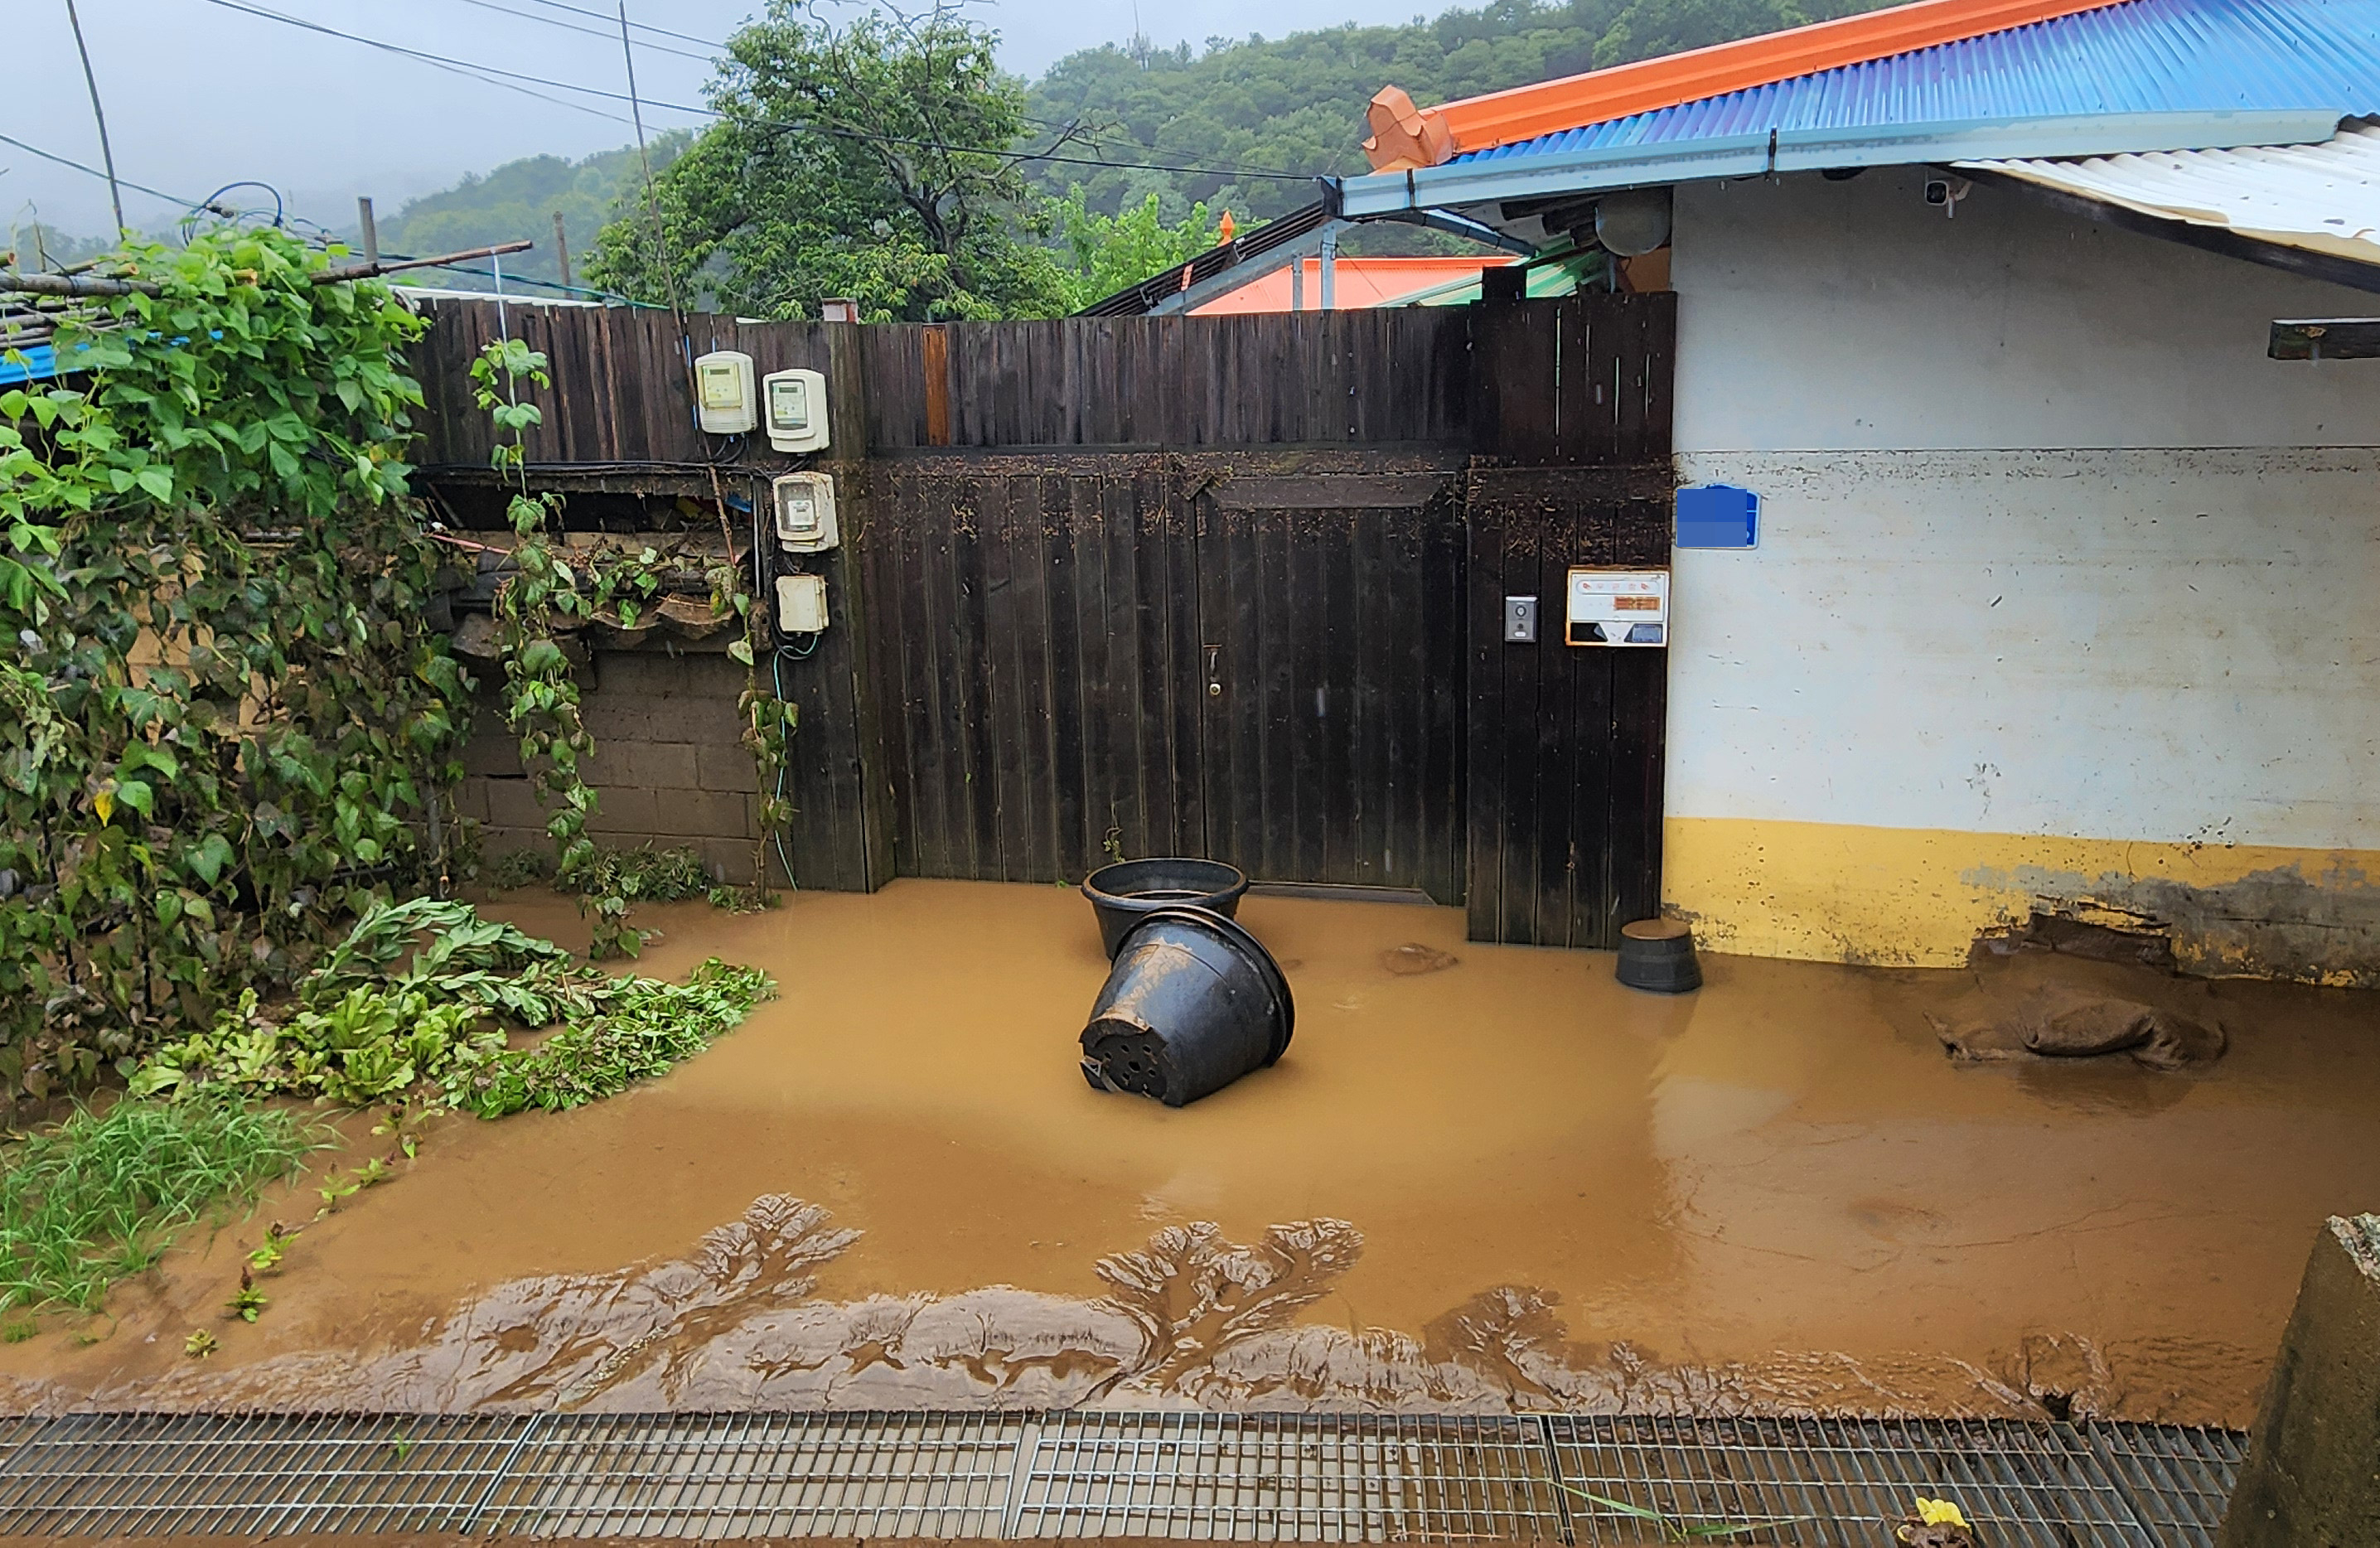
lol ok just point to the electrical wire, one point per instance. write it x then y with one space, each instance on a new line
584 31
510 78
486 74
95 172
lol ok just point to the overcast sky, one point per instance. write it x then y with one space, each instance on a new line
202 92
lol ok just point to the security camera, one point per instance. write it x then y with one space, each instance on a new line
1937 191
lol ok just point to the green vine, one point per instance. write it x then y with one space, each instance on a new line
226 723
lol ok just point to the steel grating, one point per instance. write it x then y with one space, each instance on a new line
1830 1483
1194 1475
832 1474
126 1475
1292 1478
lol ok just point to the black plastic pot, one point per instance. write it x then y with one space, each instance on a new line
1123 893
1658 955
1193 1003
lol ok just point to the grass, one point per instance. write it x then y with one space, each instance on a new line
99 1197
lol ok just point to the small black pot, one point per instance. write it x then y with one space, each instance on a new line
1658 955
1123 893
1193 1003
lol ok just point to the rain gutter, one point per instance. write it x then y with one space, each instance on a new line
1493 177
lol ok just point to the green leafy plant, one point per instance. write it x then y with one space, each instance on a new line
647 874
248 1303
16 1332
101 1196
225 720
368 1026
199 1344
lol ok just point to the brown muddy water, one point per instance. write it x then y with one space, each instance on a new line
1482 1179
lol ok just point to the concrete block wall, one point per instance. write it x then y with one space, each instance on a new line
670 765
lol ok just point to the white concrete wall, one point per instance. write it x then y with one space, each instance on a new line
2049 548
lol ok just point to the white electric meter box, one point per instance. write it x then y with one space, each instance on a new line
1618 607
805 505
724 402
796 402
801 604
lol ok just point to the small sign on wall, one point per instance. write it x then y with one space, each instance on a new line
1718 516
1618 607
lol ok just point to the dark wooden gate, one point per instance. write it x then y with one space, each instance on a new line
1254 657
1330 657
1565 742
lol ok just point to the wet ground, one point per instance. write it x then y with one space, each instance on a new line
1483 1179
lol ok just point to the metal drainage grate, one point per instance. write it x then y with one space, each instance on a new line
1832 1483
918 1475
1245 1477
1288 1477
2179 1478
119 1475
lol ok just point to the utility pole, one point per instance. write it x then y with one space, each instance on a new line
560 248
106 152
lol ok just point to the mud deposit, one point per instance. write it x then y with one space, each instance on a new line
1483 1179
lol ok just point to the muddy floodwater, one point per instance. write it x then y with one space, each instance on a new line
1483 1179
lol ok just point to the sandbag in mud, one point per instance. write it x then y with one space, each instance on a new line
2057 1023
1193 1003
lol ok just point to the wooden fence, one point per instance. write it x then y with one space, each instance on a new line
1222 586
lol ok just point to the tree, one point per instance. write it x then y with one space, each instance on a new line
1109 252
873 160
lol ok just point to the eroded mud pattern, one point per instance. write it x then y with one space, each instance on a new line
1190 1319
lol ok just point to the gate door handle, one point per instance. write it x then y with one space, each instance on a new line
1214 677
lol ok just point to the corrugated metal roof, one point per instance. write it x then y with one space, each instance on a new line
2322 197
2141 56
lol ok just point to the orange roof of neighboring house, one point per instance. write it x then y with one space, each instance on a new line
1358 283
1405 136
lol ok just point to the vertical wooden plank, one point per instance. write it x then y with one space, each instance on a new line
934 369
1525 725
980 808
1069 751
1153 596
1006 711
872 813
1036 857
1307 604
1186 684
1484 530
1133 803
1096 640
1445 675
1632 440
1382 646
1345 798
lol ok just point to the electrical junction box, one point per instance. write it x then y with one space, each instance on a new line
795 403
1618 607
801 605
805 504
724 402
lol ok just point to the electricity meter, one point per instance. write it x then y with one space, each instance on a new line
801 604
1618 607
796 402
805 505
723 399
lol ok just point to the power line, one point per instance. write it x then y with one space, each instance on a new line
639 26
472 67
95 172
483 73
584 31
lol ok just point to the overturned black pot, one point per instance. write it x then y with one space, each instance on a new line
1124 892
1193 1003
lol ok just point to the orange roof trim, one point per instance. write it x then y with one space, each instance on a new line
1404 136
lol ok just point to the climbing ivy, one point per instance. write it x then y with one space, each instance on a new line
226 721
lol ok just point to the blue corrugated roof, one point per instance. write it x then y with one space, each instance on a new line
2137 57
